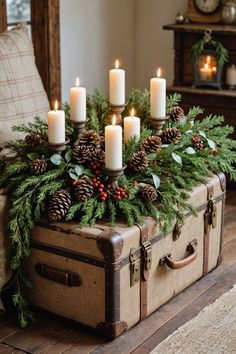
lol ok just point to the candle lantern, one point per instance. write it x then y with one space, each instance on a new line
208 72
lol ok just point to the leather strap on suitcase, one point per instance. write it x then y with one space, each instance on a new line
208 224
145 266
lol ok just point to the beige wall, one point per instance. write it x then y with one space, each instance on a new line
93 34
96 32
154 47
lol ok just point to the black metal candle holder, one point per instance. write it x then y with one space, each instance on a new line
157 123
114 174
59 147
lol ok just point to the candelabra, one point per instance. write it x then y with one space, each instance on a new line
117 110
58 148
114 174
157 123
78 128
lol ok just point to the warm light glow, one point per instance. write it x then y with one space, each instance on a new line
206 66
77 82
159 72
117 64
214 69
132 112
56 105
113 119
208 60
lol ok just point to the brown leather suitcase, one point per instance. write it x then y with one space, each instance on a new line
110 279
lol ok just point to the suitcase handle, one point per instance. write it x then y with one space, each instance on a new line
69 279
192 251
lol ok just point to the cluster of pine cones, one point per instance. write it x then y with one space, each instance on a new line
90 148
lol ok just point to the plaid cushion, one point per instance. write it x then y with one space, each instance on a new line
22 95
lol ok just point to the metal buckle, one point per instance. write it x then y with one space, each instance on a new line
147 253
134 268
177 230
211 213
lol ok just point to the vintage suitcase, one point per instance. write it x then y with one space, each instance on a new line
110 279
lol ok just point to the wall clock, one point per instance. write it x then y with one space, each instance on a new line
204 11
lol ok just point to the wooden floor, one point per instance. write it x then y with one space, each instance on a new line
53 335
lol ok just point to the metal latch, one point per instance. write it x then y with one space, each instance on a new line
177 230
134 267
211 213
147 255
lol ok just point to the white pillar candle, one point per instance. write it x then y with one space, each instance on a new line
56 126
131 127
231 75
113 146
158 96
78 103
117 86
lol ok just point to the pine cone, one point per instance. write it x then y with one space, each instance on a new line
84 189
91 139
98 155
176 113
149 192
152 144
33 139
38 166
170 135
81 154
139 161
59 205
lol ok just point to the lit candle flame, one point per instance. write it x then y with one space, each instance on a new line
56 105
77 82
117 64
214 69
132 112
113 121
159 72
208 60
206 66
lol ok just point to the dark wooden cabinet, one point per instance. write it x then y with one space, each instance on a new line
220 102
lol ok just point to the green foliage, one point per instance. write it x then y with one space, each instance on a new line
174 171
222 53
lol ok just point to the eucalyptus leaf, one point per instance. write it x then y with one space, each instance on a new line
156 180
190 150
152 157
33 156
142 184
202 133
177 158
88 172
73 176
56 159
79 170
186 127
68 155
212 144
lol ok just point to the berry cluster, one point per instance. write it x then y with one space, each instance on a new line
95 166
213 152
197 141
100 186
120 193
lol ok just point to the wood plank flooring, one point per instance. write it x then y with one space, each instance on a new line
52 335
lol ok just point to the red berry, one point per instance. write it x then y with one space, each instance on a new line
118 197
124 187
108 186
122 194
75 182
97 172
104 194
126 196
103 199
95 184
100 190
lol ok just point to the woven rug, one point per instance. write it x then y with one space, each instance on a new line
212 331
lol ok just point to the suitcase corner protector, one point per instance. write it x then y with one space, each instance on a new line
112 330
110 243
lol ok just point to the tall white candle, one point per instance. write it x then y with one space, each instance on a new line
113 146
158 96
117 86
56 126
78 102
131 127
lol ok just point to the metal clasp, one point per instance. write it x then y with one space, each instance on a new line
147 255
134 267
177 230
211 213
